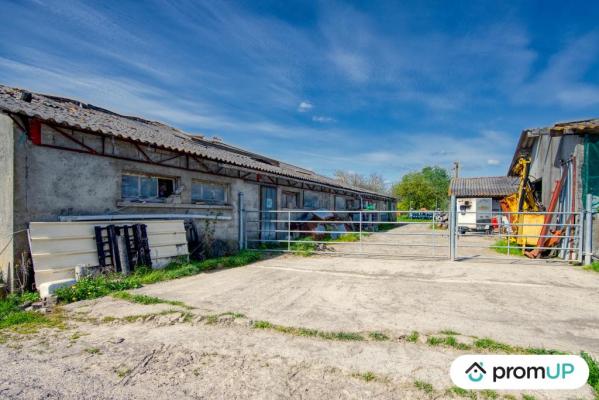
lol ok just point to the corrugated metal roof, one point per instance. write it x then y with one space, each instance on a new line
577 127
485 186
529 136
79 115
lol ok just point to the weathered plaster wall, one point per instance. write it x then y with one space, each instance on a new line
53 183
6 194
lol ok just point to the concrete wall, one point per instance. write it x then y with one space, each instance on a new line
6 194
51 182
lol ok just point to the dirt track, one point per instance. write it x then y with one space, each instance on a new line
170 356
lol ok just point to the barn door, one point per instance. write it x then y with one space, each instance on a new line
268 203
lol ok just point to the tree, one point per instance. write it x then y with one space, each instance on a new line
423 189
373 182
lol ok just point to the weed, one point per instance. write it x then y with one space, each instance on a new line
147 300
593 379
93 350
424 386
234 314
492 345
14 317
449 332
367 376
75 336
262 325
122 372
528 397
435 340
413 337
458 391
450 341
515 250
593 267
379 336
489 394
291 330
91 288
540 351
509 397
213 318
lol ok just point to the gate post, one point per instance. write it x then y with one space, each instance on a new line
241 224
452 228
588 230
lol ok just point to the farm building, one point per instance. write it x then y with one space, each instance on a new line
551 149
65 160
563 156
478 198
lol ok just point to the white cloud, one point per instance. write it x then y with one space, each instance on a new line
322 119
562 82
305 106
492 161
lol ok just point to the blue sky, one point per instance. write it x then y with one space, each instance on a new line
364 86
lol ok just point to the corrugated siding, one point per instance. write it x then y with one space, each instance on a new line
57 247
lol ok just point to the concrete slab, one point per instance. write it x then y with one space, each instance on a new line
530 305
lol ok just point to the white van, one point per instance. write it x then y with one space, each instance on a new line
474 214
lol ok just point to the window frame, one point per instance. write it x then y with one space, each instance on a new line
157 178
297 196
226 188
345 201
318 196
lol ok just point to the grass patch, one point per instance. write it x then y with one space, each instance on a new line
367 376
528 397
492 345
147 300
122 372
515 249
593 267
489 394
424 386
449 332
413 337
593 380
449 341
213 318
458 391
93 350
13 316
298 331
378 336
92 288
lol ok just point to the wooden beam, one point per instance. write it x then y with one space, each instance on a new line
71 138
144 153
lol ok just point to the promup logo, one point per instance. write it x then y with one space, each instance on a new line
519 372
476 372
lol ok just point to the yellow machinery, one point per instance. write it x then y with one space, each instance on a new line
523 200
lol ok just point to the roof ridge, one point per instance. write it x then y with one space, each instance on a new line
55 109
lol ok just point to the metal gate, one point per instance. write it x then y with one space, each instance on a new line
500 236
393 233
559 236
